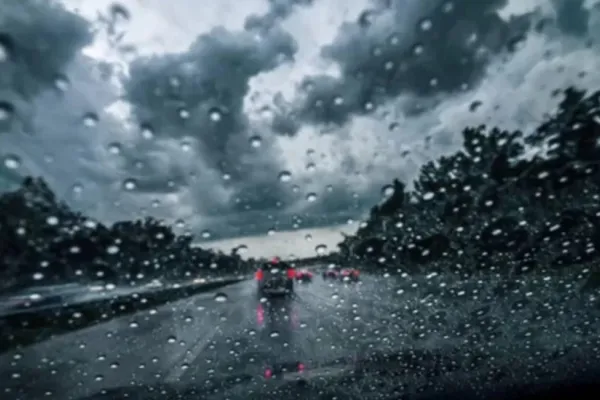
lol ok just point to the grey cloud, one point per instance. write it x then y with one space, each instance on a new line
39 38
278 10
425 48
571 16
199 96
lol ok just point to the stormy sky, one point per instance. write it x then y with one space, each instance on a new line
240 118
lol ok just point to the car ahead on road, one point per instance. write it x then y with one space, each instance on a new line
275 278
345 274
304 275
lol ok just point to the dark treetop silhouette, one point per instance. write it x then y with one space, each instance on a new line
493 206
41 235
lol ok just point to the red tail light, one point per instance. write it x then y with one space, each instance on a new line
291 273
268 373
260 314
259 275
300 367
355 272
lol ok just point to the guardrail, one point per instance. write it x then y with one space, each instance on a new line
31 326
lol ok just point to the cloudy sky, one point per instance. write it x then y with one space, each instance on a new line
240 118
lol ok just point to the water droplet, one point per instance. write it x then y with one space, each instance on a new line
183 113
311 197
387 190
321 249
133 324
147 131
425 24
77 188
274 334
448 7
7 47
310 167
7 110
186 146
90 120
241 249
215 114
308 237
365 19
62 83
428 196
255 141
418 49
206 234
285 176
112 249
52 220
119 12
221 298
171 339
114 148
11 161
129 184
38 276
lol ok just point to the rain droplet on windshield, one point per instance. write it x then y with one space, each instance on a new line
311 197
206 234
285 176
114 148
215 114
90 120
147 131
7 47
129 184
255 141
321 249
7 110
11 161
387 190
221 297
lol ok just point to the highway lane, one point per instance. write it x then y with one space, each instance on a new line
212 335
485 326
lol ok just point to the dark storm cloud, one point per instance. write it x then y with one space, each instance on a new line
200 95
425 48
38 38
571 16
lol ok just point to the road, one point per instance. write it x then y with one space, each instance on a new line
230 333
208 335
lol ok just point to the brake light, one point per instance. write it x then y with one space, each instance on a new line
355 272
260 314
268 373
259 275
291 273
300 367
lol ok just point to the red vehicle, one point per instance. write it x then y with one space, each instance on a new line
304 275
346 274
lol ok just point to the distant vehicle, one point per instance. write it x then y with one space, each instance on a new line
281 370
304 275
346 274
275 278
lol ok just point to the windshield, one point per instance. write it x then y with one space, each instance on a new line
298 198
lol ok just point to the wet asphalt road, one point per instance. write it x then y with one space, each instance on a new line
229 332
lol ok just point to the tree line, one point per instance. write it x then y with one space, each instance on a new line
43 241
509 202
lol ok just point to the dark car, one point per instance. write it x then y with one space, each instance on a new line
275 278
